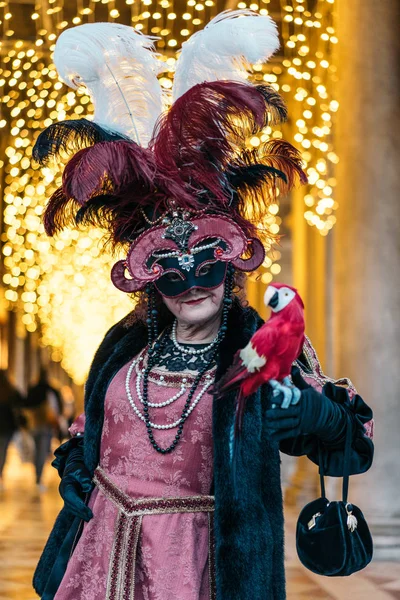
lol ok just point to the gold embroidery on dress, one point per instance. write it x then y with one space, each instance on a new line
121 574
211 557
317 373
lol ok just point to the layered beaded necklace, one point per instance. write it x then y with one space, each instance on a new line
139 395
154 352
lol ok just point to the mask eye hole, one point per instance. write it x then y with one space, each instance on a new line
173 276
205 268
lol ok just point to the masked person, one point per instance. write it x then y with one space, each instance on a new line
150 510
11 417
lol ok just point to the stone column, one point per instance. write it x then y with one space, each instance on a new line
367 244
309 261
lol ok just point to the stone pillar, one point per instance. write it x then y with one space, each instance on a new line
309 262
367 244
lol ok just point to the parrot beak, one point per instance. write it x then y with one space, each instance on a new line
273 303
271 297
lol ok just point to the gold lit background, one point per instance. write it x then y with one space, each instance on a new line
61 286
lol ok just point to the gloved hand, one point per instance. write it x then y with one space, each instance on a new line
75 483
308 412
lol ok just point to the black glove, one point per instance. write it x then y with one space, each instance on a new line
314 413
76 481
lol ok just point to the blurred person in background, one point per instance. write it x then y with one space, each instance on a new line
44 409
69 410
10 417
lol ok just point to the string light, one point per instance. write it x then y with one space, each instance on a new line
62 285
311 75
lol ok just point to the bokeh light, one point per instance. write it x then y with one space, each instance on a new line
62 285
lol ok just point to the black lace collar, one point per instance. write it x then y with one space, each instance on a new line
175 361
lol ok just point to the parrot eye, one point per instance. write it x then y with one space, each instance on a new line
286 293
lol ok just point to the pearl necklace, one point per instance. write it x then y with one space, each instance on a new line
142 417
191 351
160 404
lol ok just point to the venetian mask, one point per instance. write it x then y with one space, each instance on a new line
185 253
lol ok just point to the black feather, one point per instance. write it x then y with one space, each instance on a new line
60 212
110 213
275 104
253 186
97 211
69 137
252 175
257 174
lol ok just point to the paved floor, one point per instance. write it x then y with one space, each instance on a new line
26 517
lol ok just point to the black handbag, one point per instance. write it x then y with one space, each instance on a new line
332 538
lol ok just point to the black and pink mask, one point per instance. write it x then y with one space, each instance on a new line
202 271
186 253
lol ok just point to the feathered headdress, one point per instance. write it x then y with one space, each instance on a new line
137 161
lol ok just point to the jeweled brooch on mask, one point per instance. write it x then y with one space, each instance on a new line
186 261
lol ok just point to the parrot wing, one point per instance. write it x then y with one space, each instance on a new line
248 361
232 378
282 343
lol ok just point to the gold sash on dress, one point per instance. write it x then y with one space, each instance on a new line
121 574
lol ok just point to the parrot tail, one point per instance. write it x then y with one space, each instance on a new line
232 379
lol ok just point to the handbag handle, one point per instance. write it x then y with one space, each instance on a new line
346 464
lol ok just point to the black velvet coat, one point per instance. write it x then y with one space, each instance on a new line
248 528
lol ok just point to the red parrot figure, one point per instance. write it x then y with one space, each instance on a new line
271 351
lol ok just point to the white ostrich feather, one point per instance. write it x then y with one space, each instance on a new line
225 49
118 66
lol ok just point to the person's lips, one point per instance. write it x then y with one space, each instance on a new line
194 301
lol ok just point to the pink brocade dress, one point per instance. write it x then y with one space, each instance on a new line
171 559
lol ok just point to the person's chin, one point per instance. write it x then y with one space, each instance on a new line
198 311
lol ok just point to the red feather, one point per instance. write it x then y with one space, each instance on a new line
108 167
115 182
205 128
